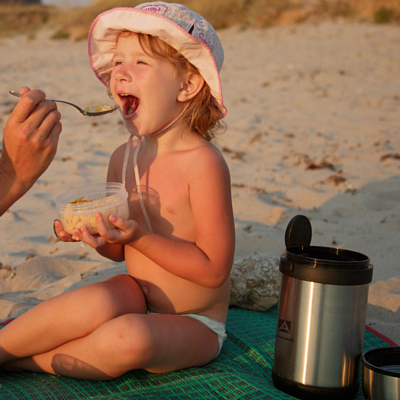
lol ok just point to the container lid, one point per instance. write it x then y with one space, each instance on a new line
298 232
321 264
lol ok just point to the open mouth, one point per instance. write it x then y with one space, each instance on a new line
129 104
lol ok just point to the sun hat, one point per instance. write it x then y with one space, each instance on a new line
181 28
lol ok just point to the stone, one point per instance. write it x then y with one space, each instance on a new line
255 282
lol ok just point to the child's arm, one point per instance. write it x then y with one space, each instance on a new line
208 261
114 252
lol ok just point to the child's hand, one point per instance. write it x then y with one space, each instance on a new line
125 232
61 234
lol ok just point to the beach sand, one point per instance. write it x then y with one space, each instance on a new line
313 128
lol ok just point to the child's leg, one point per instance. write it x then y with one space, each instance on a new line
70 316
157 343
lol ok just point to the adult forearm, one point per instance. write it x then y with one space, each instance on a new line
10 192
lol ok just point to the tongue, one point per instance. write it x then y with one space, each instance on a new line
130 105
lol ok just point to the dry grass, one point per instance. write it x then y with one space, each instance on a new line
16 19
75 23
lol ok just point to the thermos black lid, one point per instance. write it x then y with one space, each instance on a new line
321 264
298 232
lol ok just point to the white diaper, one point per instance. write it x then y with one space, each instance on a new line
216 326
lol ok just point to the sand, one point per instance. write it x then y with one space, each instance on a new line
313 128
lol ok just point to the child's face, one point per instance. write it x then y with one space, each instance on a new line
145 87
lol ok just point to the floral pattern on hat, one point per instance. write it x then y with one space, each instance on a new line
192 23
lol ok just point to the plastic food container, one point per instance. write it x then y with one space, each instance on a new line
78 206
381 373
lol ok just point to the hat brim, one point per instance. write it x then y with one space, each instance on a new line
106 28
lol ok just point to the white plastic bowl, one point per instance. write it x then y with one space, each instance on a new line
109 198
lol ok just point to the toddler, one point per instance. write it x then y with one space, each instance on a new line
161 63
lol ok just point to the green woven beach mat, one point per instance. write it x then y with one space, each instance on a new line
242 371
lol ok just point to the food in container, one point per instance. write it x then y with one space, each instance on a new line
79 206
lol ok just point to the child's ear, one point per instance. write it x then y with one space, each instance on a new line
191 85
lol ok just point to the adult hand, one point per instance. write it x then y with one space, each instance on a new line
30 142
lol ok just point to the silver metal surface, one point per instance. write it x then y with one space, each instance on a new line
377 386
320 332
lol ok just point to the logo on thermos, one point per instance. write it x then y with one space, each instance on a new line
284 326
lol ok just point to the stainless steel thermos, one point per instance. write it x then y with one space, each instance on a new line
321 318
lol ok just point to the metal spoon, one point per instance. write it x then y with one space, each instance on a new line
84 111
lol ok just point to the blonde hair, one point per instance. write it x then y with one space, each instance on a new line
202 113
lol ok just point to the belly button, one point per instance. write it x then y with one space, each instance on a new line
145 289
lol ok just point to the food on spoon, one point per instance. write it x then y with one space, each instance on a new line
98 108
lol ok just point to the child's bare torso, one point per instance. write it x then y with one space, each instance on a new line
165 182
169 294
